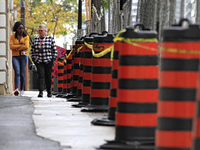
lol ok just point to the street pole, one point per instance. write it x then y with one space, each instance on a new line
79 34
80 14
23 5
22 11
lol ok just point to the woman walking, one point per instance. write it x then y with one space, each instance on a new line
19 43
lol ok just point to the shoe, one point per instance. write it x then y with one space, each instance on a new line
16 92
21 92
40 94
49 94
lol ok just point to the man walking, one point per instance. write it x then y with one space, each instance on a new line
44 53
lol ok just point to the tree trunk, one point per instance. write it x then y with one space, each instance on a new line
109 17
198 11
172 12
138 11
155 12
97 5
182 8
164 19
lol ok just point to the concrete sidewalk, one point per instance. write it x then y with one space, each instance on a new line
57 120
17 130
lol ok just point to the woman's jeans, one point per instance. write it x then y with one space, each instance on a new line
19 65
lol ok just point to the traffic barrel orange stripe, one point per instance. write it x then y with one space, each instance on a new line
173 140
177 105
135 119
175 79
145 72
150 95
175 109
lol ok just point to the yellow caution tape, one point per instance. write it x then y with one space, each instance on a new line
117 36
67 56
88 45
60 62
104 52
79 49
129 40
144 47
173 50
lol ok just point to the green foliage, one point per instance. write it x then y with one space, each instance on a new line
105 4
60 17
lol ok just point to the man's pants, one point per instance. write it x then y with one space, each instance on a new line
44 76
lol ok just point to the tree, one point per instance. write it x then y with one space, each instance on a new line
60 17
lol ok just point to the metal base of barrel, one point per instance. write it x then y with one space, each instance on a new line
103 122
95 108
133 145
80 104
54 93
68 95
74 99
60 94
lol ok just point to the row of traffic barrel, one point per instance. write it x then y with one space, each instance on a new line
152 97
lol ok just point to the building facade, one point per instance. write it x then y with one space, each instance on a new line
6 23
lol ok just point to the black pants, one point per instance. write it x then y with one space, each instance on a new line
44 76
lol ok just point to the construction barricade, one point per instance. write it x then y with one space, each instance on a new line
137 93
180 51
110 120
75 69
60 76
78 72
87 71
101 74
68 56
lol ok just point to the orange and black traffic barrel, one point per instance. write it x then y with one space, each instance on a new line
137 93
110 120
68 55
80 50
180 49
60 76
87 71
101 74
76 68
196 121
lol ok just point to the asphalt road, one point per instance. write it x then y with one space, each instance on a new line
17 131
